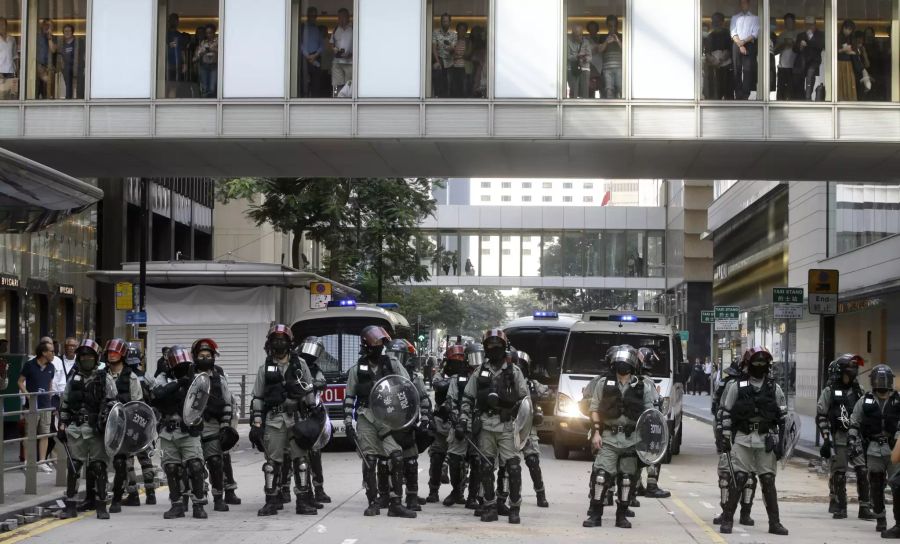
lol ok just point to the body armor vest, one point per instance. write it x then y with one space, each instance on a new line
754 406
215 405
367 375
614 404
877 423
171 405
503 384
843 399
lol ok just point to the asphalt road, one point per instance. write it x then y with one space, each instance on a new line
685 517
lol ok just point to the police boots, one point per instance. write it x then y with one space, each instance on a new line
864 493
70 510
489 512
840 494
894 532
770 498
395 506
877 480
132 499
230 497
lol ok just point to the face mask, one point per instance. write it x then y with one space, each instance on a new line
623 368
758 371
87 364
279 346
205 363
373 352
495 353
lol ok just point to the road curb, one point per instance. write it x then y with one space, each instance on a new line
803 452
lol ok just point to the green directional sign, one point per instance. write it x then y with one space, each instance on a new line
707 317
787 295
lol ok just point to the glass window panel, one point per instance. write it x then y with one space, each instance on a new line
490 255
457 49
56 56
188 49
10 45
861 214
314 29
468 254
615 253
527 42
593 248
531 255
573 254
866 71
656 252
390 60
799 58
635 262
510 264
732 72
551 256
594 48
253 68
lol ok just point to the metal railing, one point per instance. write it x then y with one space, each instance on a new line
30 440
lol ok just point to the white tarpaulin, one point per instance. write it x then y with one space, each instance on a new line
210 304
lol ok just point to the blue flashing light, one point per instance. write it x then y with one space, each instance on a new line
544 314
345 303
625 317
388 305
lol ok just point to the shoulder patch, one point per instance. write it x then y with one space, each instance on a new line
364 367
610 382
743 383
463 378
485 374
838 393
870 401
271 368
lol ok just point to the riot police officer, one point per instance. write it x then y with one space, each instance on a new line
531 451
726 485
461 455
282 396
836 403
649 359
135 360
419 434
310 350
874 420
374 440
119 378
753 420
217 435
79 426
454 359
493 399
617 404
182 451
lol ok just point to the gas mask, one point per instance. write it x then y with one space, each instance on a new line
373 352
495 353
280 346
623 368
204 362
87 363
181 370
452 367
758 371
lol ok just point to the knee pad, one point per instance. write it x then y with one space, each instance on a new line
119 464
513 465
267 468
767 480
724 481
195 466
411 462
372 461
600 479
77 465
532 461
98 469
215 462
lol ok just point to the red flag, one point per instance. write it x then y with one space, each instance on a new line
606 198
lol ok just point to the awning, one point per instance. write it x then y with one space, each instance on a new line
33 196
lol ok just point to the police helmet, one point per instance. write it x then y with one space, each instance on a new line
882 378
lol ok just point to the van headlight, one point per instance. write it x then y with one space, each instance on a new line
567 407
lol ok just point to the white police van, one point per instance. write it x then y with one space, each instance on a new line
543 336
583 359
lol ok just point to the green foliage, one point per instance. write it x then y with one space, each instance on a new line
525 303
484 308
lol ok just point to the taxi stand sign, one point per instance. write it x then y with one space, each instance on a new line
823 291
788 302
727 318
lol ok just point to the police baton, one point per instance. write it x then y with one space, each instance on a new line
478 451
351 434
731 468
71 463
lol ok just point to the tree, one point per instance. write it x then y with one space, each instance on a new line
370 226
525 303
483 309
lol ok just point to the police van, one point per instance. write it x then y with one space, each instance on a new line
339 326
583 359
543 336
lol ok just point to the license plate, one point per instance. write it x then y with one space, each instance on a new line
338 429
334 394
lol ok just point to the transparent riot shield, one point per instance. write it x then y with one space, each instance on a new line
114 433
790 437
195 400
653 436
394 401
523 423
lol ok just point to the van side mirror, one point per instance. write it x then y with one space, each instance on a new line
553 366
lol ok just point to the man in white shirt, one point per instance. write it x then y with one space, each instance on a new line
342 43
66 364
9 57
787 88
745 38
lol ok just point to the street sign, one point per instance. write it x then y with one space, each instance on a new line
707 317
727 318
787 295
823 291
319 294
136 318
788 302
684 335
124 296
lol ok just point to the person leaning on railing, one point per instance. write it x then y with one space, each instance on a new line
37 377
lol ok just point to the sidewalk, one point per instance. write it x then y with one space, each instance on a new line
699 408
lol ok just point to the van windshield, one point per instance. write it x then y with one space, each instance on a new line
586 350
540 344
341 339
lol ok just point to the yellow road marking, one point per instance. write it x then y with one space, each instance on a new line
710 531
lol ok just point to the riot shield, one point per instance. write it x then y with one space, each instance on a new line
653 436
325 435
195 400
523 423
394 401
790 437
114 432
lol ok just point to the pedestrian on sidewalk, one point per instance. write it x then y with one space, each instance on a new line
37 377
697 377
707 375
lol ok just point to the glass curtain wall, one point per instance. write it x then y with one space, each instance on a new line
511 255
860 214
866 71
490 255
457 49
322 52
799 65
188 50
56 49
10 45
531 254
